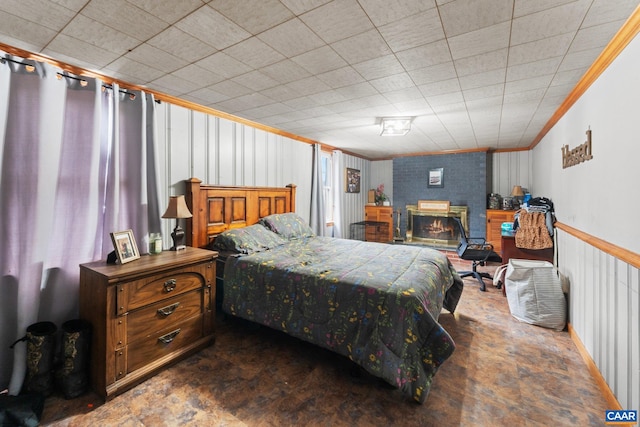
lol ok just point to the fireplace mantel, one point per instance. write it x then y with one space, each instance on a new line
420 224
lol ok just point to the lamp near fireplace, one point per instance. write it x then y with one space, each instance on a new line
395 126
517 193
177 209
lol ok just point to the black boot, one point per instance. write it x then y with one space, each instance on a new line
73 378
40 339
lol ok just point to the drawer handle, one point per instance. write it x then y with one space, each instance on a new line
165 311
170 285
166 339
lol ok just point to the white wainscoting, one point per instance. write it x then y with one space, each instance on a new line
604 303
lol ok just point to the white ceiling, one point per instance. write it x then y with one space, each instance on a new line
473 73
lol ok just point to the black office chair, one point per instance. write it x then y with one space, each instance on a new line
477 250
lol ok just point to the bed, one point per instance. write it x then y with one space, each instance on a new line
377 304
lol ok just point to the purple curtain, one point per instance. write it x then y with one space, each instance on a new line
76 163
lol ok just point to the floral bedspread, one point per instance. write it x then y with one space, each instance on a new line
376 303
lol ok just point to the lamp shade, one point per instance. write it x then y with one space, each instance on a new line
177 208
517 191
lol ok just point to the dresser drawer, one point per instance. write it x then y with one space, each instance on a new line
152 289
163 342
164 314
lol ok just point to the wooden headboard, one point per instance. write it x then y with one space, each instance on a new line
219 208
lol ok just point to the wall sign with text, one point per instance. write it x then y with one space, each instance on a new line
580 154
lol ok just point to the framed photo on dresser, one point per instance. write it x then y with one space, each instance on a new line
125 246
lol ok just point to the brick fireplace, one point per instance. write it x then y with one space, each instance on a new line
431 222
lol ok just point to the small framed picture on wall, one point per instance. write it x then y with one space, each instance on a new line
353 181
436 178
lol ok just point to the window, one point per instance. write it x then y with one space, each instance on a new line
327 185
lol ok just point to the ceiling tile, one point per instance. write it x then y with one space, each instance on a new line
483 97
319 60
403 95
464 16
486 78
392 83
549 23
213 28
581 59
12 31
46 14
308 86
197 74
344 76
129 70
358 90
204 96
285 71
326 97
253 16
230 88
254 52
595 37
156 58
291 38
527 84
440 88
125 17
540 49
337 20
480 41
528 7
432 74
603 11
481 63
301 6
255 80
173 85
362 47
533 69
425 55
413 31
169 11
182 45
379 67
223 64
100 35
385 11
71 47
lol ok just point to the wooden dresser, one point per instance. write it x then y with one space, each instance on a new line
383 230
495 218
146 314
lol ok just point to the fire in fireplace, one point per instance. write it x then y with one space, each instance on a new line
435 227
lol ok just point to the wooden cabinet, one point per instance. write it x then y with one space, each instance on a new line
495 218
383 231
146 314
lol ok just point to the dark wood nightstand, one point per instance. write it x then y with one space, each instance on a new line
146 314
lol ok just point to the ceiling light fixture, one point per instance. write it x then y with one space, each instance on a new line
395 126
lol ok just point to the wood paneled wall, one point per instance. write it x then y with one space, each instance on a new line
222 152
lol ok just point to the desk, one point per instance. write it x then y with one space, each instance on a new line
509 250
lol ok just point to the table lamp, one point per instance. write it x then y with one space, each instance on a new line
177 209
517 193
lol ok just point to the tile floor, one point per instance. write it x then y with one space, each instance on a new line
503 373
